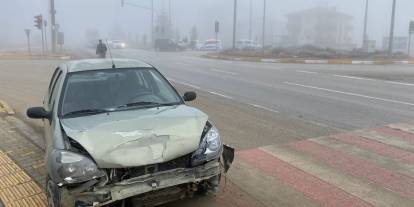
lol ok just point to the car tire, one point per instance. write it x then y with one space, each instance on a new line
52 193
210 187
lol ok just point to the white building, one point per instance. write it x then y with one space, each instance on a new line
323 27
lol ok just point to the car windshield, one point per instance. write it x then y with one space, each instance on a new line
100 91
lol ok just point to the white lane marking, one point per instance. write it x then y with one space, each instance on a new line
184 83
351 77
223 71
401 83
352 94
264 108
219 94
305 71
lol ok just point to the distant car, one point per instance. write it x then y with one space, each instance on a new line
196 45
168 45
118 44
247 45
117 129
212 45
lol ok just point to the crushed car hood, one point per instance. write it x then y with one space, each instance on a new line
138 137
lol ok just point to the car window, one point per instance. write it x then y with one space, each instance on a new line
53 91
53 79
110 89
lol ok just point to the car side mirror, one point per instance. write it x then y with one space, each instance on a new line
189 96
38 113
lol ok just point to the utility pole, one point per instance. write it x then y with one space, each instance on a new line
234 24
53 24
409 44
264 26
152 23
410 34
123 3
169 12
45 31
391 40
216 29
27 31
365 37
251 20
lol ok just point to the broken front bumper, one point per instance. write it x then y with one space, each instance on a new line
147 183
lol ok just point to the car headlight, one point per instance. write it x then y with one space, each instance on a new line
210 146
70 167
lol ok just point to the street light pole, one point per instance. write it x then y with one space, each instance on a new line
234 24
53 24
152 22
391 40
365 37
45 25
251 20
264 25
29 50
409 44
169 12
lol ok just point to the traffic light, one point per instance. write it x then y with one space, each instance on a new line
38 21
411 27
217 26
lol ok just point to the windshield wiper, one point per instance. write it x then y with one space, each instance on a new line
87 112
146 104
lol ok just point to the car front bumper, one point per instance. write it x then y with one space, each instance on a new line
139 185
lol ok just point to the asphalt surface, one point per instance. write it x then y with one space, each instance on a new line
344 97
253 105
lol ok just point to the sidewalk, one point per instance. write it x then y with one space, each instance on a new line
22 174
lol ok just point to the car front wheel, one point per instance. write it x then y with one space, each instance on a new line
52 193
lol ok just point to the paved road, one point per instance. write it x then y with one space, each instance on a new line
269 112
345 97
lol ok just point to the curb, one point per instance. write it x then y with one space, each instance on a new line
316 61
4 107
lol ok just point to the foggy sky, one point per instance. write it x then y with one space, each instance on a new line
76 16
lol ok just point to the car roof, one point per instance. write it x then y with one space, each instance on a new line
99 64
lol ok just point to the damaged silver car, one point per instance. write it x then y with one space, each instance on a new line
117 131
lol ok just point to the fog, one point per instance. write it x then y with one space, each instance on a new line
75 17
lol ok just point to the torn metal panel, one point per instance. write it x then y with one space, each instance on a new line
136 138
148 183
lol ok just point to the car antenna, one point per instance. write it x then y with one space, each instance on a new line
110 54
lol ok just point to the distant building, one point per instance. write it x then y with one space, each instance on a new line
400 44
322 27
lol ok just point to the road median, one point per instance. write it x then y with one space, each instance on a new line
311 61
